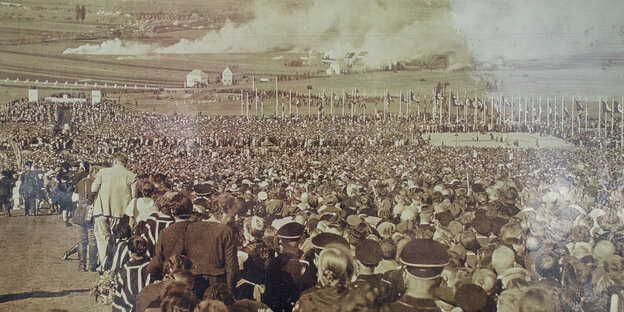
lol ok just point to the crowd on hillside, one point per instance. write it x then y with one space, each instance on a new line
316 216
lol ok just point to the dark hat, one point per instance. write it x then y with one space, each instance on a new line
424 258
368 252
291 230
322 240
478 188
471 297
203 189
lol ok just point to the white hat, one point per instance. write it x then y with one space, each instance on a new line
262 196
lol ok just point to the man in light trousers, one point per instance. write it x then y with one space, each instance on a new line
115 187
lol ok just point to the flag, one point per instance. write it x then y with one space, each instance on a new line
297 102
390 98
578 105
479 105
505 101
618 106
403 98
455 100
565 110
606 107
549 110
413 97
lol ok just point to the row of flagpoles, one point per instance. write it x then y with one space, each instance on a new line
491 109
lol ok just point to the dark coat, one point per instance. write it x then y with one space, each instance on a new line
211 248
170 242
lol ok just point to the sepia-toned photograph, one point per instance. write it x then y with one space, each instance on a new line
312 155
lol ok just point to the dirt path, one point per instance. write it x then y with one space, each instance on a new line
32 275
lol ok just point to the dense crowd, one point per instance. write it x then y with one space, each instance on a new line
223 214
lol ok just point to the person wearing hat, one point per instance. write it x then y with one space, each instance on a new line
211 245
368 254
423 261
31 188
6 186
285 273
252 257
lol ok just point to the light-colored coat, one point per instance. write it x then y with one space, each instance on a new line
115 186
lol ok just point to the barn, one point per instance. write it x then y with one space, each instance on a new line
227 77
196 78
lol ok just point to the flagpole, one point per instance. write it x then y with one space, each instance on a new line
484 109
586 113
474 112
599 115
502 109
612 115
256 99
247 104
533 110
449 106
492 111
343 100
242 103
465 108
289 102
539 119
331 105
385 104
622 125
573 114
276 98
562 115
547 112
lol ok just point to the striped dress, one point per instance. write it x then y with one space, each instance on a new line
155 223
132 278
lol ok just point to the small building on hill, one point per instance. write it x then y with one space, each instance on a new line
196 78
227 77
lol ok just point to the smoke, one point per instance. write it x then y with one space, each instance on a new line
389 30
113 47
538 29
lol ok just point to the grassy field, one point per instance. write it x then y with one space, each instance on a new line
483 140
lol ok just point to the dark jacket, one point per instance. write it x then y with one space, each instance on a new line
31 185
170 242
211 248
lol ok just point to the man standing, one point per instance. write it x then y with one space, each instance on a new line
116 189
6 186
31 187
211 245
423 261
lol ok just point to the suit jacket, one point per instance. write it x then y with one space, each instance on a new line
211 248
115 191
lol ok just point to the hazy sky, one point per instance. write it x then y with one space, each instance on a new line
524 29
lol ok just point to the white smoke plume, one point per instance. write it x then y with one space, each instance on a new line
538 29
113 47
389 30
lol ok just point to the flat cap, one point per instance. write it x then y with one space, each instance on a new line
354 220
291 230
368 252
424 258
322 240
203 189
471 297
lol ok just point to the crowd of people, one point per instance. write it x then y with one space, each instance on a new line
217 213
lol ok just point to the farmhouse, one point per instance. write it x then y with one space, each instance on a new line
334 69
226 77
196 78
